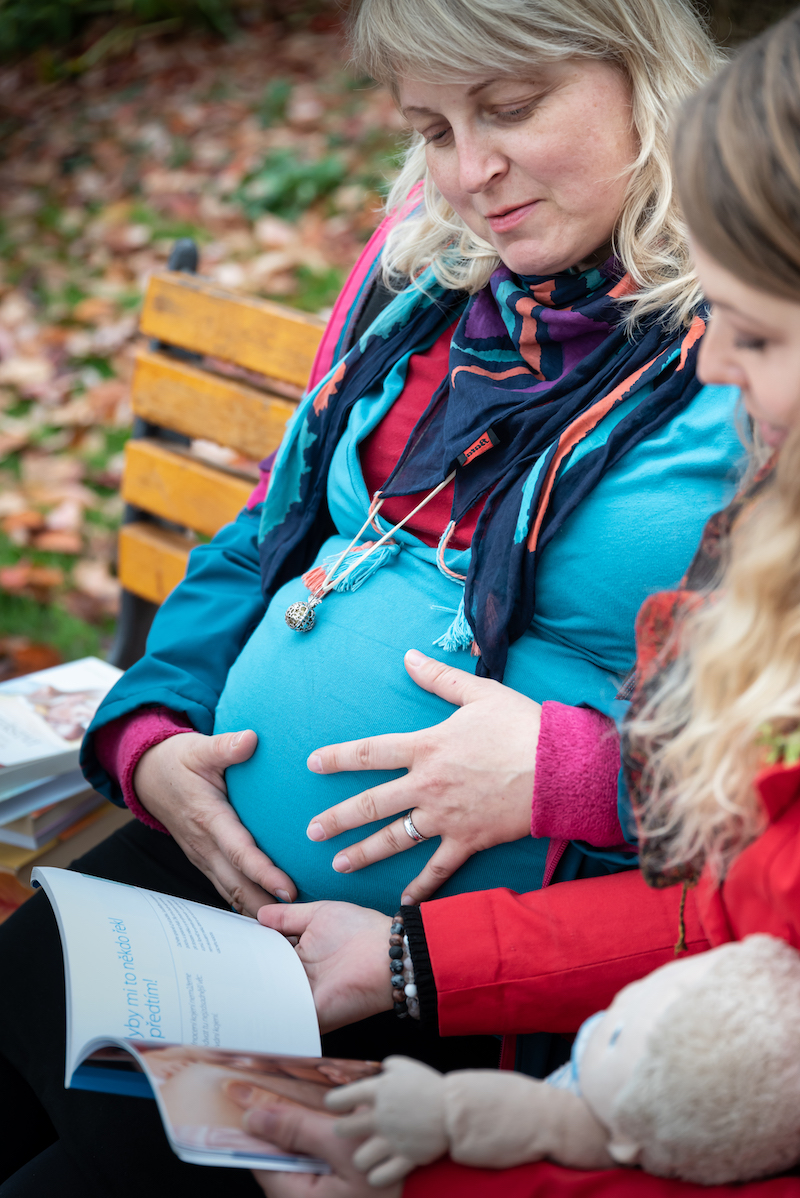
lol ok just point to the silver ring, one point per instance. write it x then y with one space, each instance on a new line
408 824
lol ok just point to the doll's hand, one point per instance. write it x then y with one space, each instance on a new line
469 780
181 781
344 950
482 1117
298 1130
402 1112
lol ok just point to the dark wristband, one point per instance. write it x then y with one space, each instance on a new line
423 970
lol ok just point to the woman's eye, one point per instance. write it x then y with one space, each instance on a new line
516 114
432 138
752 343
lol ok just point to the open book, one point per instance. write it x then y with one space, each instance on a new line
205 1010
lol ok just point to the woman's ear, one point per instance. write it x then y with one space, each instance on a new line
624 1152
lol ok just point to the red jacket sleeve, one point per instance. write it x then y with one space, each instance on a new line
543 962
546 1180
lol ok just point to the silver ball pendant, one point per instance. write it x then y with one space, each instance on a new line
301 616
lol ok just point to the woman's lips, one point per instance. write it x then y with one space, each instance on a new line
509 220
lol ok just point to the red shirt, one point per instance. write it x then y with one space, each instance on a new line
381 449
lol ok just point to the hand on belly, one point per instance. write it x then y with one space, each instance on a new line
181 781
469 781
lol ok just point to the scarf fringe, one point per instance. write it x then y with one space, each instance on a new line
315 579
458 635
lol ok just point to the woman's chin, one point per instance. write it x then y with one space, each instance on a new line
527 256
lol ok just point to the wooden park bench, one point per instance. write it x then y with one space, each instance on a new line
181 392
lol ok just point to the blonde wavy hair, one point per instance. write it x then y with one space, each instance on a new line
737 681
660 45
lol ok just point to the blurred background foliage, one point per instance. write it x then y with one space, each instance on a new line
123 127
57 26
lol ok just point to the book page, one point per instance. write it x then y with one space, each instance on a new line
151 968
204 1093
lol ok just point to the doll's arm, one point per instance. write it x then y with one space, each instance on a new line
502 1119
413 1115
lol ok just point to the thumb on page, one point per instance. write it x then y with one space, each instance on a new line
291 1128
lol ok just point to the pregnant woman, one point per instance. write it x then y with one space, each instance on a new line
496 468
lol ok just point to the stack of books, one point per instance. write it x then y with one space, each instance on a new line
44 798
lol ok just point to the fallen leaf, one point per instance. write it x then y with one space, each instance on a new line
11 442
93 309
11 502
19 655
58 542
28 519
48 470
93 578
66 517
24 372
24 577
272 233
15 310
230 274
104 398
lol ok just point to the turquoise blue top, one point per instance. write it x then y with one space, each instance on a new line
345 679
634 534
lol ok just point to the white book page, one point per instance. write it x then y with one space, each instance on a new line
151 968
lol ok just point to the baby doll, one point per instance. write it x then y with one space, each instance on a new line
692 1072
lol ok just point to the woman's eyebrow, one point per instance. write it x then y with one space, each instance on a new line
478 87
472 91
734 311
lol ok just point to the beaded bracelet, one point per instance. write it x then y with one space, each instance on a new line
404 990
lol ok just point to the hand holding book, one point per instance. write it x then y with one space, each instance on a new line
343 950
300 1131
203 1009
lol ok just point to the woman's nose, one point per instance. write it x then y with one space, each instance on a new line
715 363
479 165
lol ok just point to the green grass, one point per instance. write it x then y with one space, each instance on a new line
316 291
51 625
286 186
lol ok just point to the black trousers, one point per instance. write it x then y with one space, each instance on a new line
59 1143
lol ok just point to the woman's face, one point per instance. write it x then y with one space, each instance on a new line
537 167
752 342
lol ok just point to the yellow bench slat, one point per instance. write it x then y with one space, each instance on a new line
179 488
191 312
182 397
152 561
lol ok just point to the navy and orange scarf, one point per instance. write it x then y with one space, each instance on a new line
535 365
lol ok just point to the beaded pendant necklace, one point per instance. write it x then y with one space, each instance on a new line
301 616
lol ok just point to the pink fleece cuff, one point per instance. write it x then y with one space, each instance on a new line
575 790
120 745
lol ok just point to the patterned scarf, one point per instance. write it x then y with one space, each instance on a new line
535 366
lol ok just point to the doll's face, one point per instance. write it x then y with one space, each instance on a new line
619 1039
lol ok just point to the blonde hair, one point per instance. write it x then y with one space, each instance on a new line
660 45
736 684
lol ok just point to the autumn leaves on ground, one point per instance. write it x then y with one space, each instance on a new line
266 151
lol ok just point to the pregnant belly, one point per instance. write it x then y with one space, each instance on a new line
342 681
